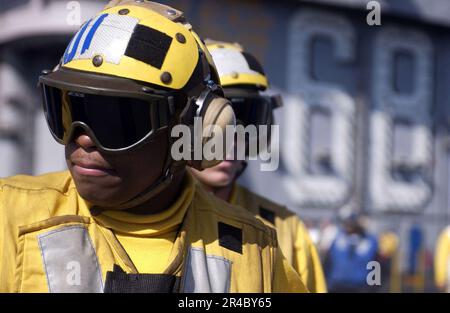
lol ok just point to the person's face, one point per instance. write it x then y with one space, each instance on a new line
109 180
221 175
224 174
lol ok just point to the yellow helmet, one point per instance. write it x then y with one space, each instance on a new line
130 72
138 40
244 81
237 67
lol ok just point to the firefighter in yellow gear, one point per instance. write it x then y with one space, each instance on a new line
442 261
127 217
244 82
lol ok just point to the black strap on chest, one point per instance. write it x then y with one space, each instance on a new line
118 281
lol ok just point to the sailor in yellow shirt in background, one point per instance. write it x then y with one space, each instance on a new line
243 79
127 217
442 261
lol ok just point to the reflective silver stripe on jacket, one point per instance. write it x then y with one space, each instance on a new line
206 273
70 261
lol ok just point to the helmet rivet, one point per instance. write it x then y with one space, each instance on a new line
46 72
166 78
171 12
98 60
124 12
234 75
180 37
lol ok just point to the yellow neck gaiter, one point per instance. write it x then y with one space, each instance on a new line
148 239
234 195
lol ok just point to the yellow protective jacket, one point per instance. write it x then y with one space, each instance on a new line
293 237
442 261
50 242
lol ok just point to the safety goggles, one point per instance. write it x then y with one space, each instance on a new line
118 117
253 108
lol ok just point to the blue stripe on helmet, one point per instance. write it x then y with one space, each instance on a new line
90 35
68 56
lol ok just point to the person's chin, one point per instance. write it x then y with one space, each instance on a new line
99 191
221 179
101 198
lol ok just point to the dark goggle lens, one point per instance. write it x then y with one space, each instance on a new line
117 122
251 111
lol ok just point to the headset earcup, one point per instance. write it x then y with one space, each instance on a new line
219 114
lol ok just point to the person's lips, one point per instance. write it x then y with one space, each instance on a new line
91 169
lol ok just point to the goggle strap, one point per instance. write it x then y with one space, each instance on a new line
276 101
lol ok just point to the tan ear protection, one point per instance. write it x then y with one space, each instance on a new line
214 110
217 116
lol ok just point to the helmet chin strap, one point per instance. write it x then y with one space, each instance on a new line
157 187
241 171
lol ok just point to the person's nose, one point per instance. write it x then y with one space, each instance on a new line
84 141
